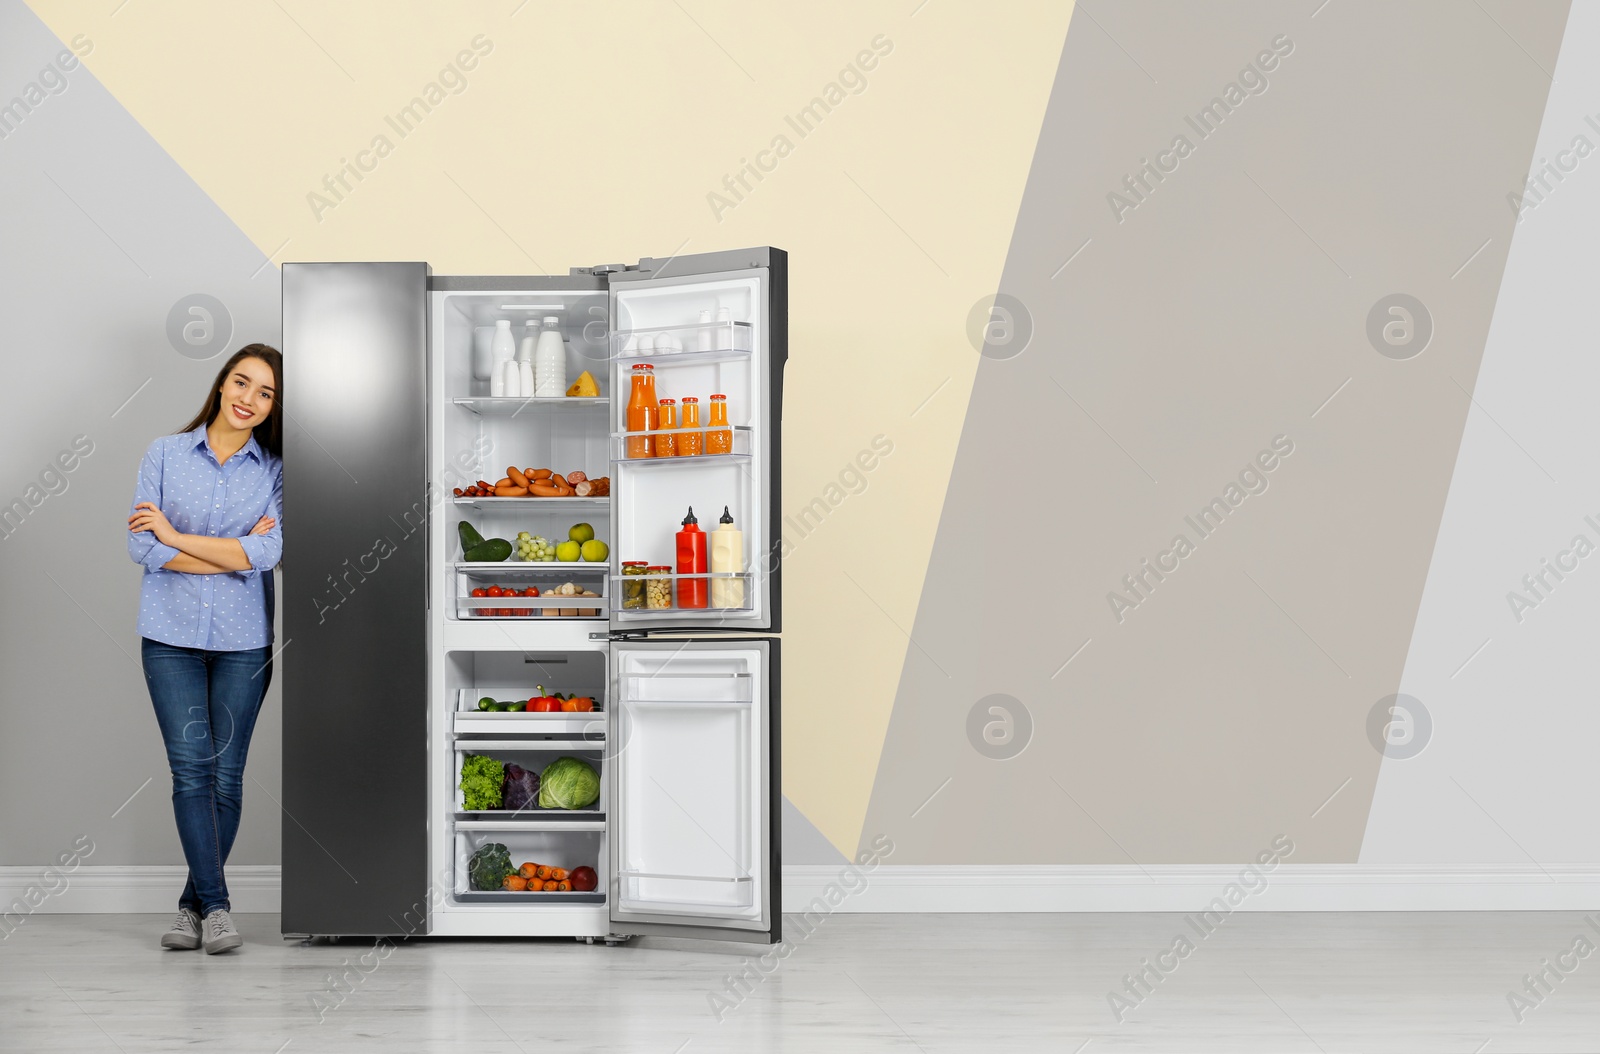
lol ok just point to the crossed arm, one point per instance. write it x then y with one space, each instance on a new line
198 554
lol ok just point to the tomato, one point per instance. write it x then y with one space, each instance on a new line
530 592
583 704
544 704
495 591
480 592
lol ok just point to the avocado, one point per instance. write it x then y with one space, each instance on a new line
491 551
470 538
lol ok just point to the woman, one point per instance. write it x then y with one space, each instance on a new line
205 526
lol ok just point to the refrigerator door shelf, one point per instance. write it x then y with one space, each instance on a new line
741 446
692 339
746 591
503 406
588 820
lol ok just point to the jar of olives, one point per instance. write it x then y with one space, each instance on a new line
633 592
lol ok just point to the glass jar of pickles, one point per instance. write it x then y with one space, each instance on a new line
633 592
658 591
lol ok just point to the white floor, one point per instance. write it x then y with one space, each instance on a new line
930 983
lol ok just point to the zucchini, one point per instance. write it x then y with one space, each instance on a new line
470 538
491 551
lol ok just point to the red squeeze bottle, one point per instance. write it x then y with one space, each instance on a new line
692 561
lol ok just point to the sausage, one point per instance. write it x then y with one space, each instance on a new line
576 478
540 489
517 478
539 473
511 492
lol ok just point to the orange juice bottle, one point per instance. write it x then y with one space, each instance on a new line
667 445
642 411
719 440
689 437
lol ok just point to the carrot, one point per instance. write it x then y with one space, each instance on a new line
514 882
562 886
533 885
545 872
528 871
558 873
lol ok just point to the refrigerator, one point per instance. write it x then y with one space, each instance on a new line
387 654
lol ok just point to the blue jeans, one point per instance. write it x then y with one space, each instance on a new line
206 704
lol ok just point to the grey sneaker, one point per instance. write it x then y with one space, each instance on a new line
185 932
220 933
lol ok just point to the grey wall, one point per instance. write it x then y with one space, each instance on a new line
103 234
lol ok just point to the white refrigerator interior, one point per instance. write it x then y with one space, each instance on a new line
683 833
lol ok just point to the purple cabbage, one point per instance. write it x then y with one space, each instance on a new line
521 789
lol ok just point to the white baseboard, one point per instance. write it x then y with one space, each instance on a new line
940 888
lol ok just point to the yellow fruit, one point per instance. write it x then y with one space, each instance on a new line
584 387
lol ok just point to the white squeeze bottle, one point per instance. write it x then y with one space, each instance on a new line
727 556
550 361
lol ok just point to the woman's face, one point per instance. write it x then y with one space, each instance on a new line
247 394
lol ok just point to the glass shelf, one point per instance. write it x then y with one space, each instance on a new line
532 503
503 406
694 340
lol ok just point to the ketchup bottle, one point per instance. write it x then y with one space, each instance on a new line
692 561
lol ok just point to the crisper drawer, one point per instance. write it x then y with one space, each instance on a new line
513 589
534 757
568 849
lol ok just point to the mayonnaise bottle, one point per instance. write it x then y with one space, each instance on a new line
727 556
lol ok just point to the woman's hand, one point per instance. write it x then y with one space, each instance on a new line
146 517
263 525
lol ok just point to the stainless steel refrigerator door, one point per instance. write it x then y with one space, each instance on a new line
694 790
356 504
766 271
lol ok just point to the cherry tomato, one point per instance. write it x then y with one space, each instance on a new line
480 592
530 592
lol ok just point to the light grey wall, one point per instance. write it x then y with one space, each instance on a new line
103 234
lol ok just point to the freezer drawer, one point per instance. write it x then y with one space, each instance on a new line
694 846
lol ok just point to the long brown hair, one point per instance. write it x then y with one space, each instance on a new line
269 433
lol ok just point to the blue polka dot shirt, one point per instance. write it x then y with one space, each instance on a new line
221 612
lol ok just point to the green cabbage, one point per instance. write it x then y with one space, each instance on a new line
568 783
481 781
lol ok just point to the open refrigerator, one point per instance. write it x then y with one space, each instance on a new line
392 648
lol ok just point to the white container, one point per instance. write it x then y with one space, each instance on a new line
497 382
503 346
704 334
525 379
724 330
550 361
530 336
482 353
510 379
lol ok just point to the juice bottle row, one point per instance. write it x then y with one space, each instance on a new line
682 438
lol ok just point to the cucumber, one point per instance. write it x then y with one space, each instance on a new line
486 703
470 538
491 551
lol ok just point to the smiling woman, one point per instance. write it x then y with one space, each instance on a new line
205 527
